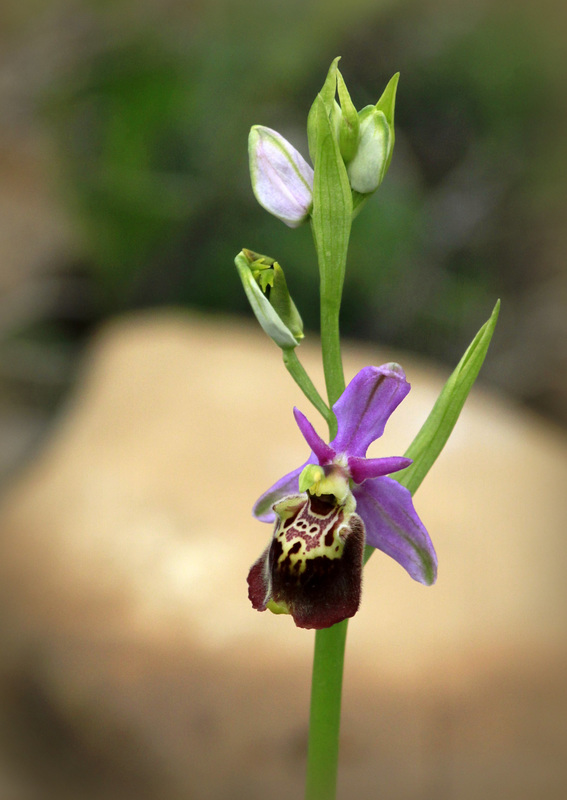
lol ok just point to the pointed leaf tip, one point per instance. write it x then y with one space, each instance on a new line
387 102
443 417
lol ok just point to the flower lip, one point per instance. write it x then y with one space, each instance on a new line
312 568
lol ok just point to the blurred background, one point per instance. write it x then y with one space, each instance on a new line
124 176
124 180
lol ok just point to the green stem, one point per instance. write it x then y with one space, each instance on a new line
331 221
328 659
300 376
326 690
331 347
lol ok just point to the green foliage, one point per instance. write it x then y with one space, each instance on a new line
435 431
438 426
124 129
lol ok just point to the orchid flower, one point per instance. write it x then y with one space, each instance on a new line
339 500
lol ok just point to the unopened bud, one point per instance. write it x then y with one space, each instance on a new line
281 178
266 289
367 169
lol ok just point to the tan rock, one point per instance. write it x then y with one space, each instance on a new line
125 546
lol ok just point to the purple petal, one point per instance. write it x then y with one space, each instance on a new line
322 450
393 526
365 406
287 485
363 468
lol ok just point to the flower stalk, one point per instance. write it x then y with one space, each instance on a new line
300 376
332 512
325 712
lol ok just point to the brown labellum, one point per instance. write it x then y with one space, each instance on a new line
312 568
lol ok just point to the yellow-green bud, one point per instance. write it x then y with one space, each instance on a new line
261 278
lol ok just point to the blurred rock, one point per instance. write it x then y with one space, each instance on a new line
132 663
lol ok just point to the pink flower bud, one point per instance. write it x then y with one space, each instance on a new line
281 178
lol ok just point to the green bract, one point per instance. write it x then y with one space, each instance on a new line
387 105
350 124
333 110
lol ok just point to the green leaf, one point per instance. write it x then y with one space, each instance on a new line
438 426
332 206
327 94
330 85
331 220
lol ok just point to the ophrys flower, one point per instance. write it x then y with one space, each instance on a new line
327 509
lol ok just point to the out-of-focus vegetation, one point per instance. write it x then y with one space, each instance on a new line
151 122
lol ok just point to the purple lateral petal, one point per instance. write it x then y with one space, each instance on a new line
322 450
289 484
363 468
393 526
365 406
